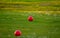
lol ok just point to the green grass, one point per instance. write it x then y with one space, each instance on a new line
31 6
26 0
43 26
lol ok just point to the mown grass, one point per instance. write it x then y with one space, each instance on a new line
31 6
43 26
26 0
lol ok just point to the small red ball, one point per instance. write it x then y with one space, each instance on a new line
17 33
30 18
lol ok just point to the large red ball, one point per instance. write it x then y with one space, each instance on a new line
17 33
30 18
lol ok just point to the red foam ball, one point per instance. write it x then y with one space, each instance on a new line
17 33
30 18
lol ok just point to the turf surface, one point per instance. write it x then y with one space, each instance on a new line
31 6
26 0
44 25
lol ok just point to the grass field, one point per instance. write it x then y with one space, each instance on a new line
45 25
31 6
26 0
14 14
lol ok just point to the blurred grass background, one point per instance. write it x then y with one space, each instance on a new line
31 6
26 0
14 14
46 24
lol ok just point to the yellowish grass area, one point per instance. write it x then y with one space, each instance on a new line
30 6
36 7
38 12
55 2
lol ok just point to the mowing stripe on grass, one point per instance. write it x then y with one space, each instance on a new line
31 6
